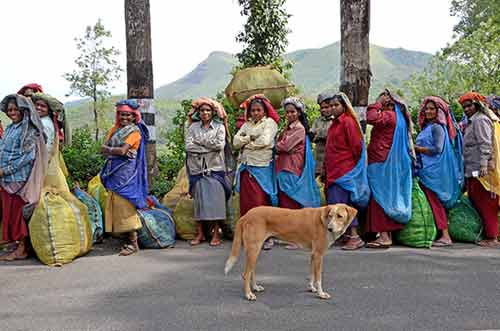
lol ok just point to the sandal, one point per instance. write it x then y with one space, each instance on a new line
489 243
354 242
441 243
128 250
268 244
196 241
215 242
379 244
292 246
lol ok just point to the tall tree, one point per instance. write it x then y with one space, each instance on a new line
471 13
97 68
355 52
140 71
265 34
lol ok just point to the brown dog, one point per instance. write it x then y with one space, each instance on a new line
314 229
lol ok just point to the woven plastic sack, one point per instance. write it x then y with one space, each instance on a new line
97 190
258 80
421 230
158 228
181 189
464 223
54 231
81 213
94 214
185 225
321 188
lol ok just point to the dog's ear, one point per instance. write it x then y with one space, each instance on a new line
352 212
324 214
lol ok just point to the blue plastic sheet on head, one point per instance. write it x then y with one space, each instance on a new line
441 173
303 189
265 177
391 181
356 182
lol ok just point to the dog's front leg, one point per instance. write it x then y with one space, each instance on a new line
256 287
312 279
318 264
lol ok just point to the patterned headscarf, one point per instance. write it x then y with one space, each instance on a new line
37 88
299 105
271 112
350 110
493 102
480 101
443 114
127 106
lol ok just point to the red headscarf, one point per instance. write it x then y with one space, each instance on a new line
271 112
472 96
34 86
127 109
443 117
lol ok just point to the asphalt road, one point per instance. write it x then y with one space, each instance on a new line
184 289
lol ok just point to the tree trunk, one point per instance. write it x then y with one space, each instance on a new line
140 71
96 117
355 71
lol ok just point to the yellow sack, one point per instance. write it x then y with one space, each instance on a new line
55 178
185 225
491 182
81 213
181 189
97 190
64 169
54 231
321 188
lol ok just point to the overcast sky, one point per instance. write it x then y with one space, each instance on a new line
42 47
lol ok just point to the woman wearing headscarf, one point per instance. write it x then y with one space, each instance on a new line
205 164
256 175
51 112
124 173
439 162
23 161
295 164
481 163
319 131
345 164
390 162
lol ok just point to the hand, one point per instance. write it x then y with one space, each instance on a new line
483 172
104 149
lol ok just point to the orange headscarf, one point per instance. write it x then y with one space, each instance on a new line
472 96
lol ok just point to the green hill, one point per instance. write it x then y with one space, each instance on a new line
314 70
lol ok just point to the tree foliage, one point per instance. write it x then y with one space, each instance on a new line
265 34
97 68
472 13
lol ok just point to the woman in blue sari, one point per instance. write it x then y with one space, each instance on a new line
438 166
124 174
295 165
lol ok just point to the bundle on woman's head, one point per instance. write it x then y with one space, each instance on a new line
217 108
127 102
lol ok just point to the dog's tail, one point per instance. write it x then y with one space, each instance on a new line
235 250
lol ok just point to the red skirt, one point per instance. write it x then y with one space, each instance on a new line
286 202
486 204
14 227
378 221
251 194
437 207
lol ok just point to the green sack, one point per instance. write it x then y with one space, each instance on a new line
232 215
421 230
258 80
464 223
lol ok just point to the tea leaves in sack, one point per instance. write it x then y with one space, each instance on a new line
185 225
464 223
421 230
54 232
158 228
94 214
258 80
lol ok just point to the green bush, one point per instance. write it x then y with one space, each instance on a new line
83 158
